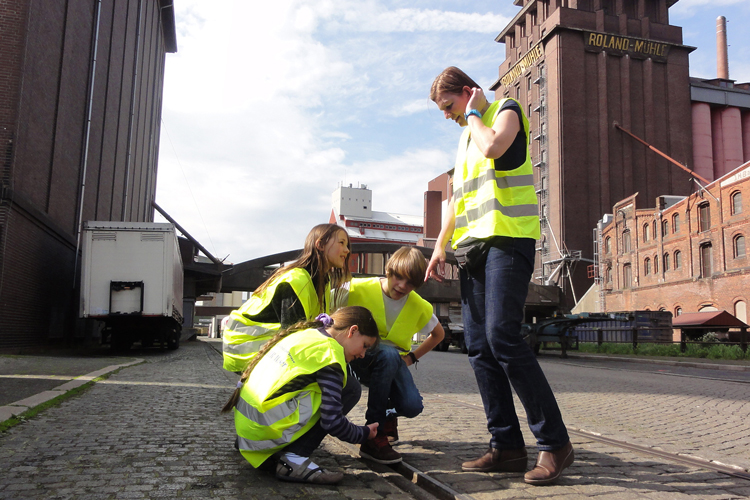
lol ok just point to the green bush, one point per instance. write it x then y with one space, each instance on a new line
725 352
659 349
706 349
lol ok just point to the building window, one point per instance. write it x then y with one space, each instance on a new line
678 311
608 275
656 263
626 241
739 246
705 256
740 310
645 232
654 231
664 228
627 276
607 245
647 266
736 203
677 259
666 262
704 217
675 223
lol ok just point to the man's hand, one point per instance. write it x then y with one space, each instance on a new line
477 100
436 267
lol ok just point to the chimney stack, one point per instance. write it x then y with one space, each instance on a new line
722 62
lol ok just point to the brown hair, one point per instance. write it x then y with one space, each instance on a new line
313 259
407 263
452 81
343 319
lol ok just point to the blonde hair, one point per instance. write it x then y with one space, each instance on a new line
343 319
407 263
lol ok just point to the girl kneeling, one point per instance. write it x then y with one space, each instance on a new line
298 389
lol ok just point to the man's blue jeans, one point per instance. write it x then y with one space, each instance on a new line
390 385
492 300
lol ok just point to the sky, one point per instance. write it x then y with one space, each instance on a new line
269 106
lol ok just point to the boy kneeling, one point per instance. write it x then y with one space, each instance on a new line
399 313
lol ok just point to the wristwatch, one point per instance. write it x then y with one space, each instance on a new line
472 112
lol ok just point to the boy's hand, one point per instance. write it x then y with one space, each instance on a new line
373 430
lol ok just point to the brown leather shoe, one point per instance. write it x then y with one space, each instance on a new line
549 465
498 461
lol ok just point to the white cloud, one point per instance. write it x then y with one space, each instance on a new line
268 106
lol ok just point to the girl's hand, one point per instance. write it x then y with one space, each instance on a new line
477 100
373 430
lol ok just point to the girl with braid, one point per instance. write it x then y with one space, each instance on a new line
298 389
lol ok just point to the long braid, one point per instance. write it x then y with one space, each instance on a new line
301 325
340 320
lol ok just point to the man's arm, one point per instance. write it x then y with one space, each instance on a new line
436 267
492 142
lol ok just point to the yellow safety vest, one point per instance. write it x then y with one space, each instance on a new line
491 202
265 425
417 312
243 337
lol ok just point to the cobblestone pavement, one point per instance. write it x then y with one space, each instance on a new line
154 431
676 414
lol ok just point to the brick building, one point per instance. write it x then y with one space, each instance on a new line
686 254
578 67
80 108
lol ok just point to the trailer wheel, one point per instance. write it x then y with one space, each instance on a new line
443 345
462 345
173 340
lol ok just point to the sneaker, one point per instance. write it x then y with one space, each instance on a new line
379 450
306 472
390 429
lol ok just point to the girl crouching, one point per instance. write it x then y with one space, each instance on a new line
298 389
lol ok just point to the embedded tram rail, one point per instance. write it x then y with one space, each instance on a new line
425 484
641 429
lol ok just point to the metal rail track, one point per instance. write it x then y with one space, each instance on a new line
682 459
424 487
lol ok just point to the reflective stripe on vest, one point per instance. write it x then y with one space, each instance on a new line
491 205
267 420
243 337
303 402
489 202
416 313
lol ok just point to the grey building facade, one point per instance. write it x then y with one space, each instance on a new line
80 108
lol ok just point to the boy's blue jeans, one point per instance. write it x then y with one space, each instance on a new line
492 300
390 384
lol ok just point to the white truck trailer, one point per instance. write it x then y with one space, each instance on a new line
132 279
